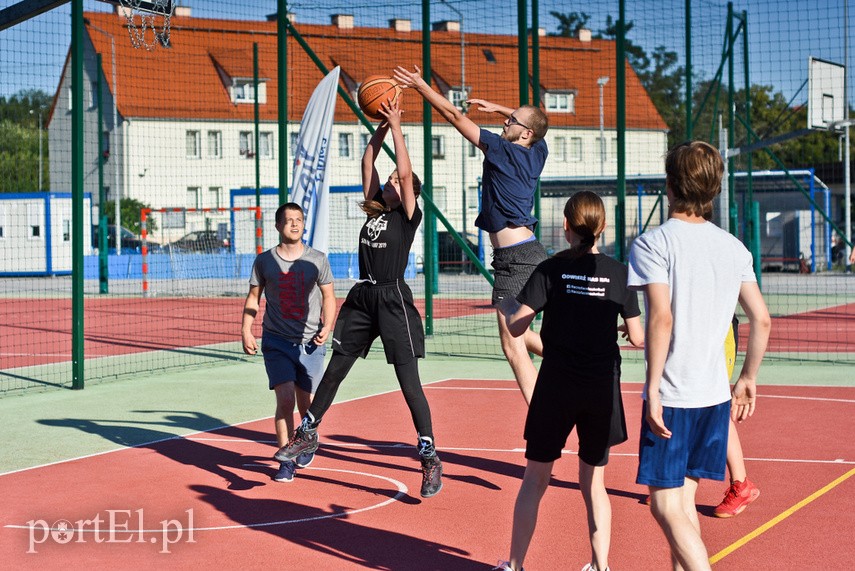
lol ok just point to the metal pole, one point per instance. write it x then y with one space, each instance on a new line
102 216
535 93
429 267
282 65
602 83
41 168
115 152
522 35
255 120
847 178
731 127
77 171
620 64
689 127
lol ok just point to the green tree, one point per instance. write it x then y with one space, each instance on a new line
130 210
19 141
569 24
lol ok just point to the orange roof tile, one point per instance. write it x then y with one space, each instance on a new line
183 81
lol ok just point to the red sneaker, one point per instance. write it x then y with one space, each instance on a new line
737 498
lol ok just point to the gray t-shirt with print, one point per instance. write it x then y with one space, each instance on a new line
294 299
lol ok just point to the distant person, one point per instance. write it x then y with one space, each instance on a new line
298 285
513 162
381 303
692 273
581 293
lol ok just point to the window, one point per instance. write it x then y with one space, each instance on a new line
560 149
215 144
614 148
265 145
105 144
575 148
215 194
457 96
364 138
66 230
345 144
174 219
601 150
70 99
560 102
246 144
93 95
440 197
34 220
244 91
473 151
193 197
193 144
294 138
438 146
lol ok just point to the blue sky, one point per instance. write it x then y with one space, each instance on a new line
782 33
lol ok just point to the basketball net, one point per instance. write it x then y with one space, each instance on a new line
142 21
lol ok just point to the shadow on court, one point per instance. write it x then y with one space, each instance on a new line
154 435
337 536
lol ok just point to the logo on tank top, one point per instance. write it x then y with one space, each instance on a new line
375 226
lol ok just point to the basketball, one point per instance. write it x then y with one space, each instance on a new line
374 91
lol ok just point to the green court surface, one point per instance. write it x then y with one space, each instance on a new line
51 426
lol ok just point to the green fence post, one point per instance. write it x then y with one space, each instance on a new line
430 266
282 81
620 73
755 241
77 311
103 260
255 119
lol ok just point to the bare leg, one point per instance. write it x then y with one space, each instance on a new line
593 487
284 417
517 355
674 510
533 342
735 459
534 484
304 400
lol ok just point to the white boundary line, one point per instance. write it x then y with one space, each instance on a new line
402 491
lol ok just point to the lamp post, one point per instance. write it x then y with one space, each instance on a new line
39 112
602 83
115 142
463 141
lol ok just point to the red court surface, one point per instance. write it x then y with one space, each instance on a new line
357 506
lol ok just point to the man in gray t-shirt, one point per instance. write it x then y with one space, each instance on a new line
298 285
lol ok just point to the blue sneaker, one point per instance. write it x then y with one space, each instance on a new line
304 459
286 472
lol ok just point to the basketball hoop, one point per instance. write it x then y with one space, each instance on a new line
143 18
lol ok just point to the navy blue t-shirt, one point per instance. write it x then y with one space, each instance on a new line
508 182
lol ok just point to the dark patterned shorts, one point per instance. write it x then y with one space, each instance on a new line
513 266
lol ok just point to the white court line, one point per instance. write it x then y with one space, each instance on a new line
325 444
402 491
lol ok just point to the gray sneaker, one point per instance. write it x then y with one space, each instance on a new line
431 476
305 441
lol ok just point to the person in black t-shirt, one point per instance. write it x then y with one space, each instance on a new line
581 293
381 303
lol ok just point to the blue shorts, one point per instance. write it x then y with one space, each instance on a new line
288 362
697 447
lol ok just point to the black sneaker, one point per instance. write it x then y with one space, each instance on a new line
305 440
431 476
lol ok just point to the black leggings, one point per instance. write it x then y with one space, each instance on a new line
408 379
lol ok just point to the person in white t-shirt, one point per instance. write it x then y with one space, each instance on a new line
692 273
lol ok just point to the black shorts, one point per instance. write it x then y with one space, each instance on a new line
513 266
384 310
560 402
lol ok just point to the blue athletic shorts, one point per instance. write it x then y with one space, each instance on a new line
291 362
697 447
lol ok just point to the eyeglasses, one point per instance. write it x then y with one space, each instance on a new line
514 121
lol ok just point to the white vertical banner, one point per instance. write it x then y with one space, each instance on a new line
311 186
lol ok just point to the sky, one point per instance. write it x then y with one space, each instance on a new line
782 33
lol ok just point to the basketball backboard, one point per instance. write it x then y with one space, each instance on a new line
153 6
826 93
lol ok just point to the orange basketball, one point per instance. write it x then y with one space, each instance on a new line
374 91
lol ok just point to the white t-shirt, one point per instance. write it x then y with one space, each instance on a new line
704 267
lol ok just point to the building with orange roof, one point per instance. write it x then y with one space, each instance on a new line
184 135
